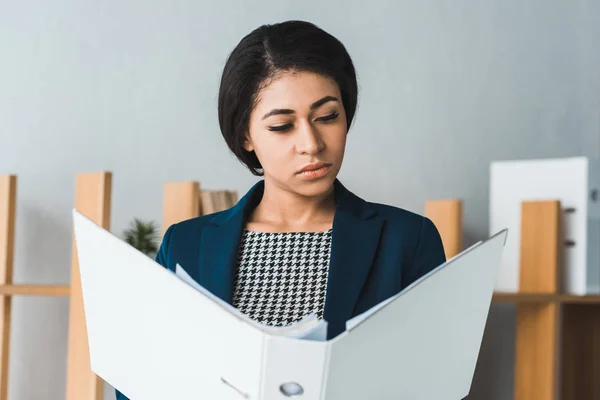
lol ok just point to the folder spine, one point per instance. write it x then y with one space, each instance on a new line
294 367
242 361
326 365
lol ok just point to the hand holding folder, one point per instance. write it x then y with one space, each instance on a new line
176 340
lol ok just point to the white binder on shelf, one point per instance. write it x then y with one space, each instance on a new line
575 182
154 334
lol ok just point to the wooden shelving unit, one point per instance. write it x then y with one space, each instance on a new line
557 352
92 197
544 298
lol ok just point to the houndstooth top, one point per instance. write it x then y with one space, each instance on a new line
282 277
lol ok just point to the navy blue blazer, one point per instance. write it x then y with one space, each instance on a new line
376 251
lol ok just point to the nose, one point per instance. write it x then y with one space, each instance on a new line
309 140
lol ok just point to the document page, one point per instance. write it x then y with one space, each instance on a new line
309 328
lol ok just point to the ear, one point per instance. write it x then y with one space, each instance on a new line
248 146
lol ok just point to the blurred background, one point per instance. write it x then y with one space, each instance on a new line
446 88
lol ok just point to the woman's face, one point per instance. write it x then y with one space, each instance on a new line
299 123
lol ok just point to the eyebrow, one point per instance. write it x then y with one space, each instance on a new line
313 106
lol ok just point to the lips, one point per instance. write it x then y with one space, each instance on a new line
313 167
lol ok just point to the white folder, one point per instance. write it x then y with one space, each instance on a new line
154 336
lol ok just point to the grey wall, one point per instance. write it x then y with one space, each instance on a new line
130 86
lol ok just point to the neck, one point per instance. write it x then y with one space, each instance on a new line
282 209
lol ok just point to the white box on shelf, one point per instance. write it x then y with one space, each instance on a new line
575 182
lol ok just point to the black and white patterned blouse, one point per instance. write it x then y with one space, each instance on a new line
282 277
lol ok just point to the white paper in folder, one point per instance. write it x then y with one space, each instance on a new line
309 328
154 334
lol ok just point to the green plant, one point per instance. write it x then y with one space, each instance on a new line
143 235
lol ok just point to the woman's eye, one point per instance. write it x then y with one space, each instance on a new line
328 117
286 127
280 128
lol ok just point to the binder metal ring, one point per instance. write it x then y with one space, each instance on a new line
245 395
291 389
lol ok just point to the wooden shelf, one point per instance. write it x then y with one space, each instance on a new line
571 299
35 290
523 298
544 298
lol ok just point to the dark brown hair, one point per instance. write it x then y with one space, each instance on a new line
268 50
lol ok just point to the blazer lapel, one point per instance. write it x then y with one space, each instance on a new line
219 245
355 238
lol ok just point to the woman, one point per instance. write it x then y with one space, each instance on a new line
298 241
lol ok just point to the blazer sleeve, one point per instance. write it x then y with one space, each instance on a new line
429 252
162 258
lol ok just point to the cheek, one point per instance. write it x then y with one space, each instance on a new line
337 140
273 150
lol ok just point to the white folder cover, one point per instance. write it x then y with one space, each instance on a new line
154 336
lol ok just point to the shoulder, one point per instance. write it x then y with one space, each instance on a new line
189 229
402 227
416 235
401 221
182 239
192 225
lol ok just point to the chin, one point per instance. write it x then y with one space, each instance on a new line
315 188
